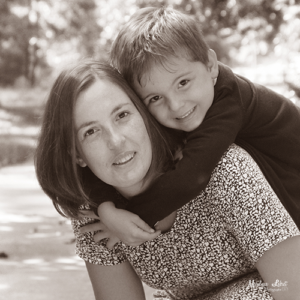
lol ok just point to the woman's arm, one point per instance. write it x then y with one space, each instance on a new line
117 282
280 268
111 274
261 225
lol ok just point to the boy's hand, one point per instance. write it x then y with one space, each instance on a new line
128 227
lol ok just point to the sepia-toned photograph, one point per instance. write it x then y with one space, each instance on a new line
149 149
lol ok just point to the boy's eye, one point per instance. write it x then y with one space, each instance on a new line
183 82
123 115
154 99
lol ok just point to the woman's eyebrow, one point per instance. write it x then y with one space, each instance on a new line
118 107
85 125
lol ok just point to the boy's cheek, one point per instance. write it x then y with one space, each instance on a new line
163 120
158 113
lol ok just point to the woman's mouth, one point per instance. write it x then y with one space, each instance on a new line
187 114
124 158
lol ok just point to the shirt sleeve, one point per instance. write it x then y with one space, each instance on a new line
92 252
205 146
249 207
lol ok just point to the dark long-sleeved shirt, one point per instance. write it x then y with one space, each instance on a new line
263 122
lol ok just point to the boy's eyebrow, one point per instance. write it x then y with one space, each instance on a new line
180 75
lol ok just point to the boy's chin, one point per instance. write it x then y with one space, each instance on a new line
188 127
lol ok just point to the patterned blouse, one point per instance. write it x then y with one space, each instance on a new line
211 249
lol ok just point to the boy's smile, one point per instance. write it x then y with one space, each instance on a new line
179 92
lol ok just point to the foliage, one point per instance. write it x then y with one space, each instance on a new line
21 111
40 34
30 27
232 23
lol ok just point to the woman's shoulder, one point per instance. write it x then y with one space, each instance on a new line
234 153
89 250
235 160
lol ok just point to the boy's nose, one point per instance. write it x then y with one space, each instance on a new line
175 103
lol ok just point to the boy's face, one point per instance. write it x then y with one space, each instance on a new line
179 93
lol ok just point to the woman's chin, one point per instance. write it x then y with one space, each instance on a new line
131 183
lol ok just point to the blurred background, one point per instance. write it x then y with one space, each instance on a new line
259 39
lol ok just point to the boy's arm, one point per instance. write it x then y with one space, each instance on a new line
117 224
205 147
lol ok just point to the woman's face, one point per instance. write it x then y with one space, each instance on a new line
112 139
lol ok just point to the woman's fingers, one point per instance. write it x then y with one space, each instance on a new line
92 227
101 235
111 242
83 213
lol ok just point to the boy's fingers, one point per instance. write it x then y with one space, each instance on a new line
87 214
144 226
151 236
143 237
92 227
111 242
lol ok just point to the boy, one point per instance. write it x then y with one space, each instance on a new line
162 55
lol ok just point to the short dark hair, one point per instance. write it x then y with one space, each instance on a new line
152 35
57 171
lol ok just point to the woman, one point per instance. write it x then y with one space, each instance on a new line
221 245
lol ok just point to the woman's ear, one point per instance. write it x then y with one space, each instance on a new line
80 161
212 65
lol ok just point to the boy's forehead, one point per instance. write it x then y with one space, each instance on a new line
167 66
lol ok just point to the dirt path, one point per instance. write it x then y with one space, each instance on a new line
41 263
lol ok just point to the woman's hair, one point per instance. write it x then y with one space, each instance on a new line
151 36
59 175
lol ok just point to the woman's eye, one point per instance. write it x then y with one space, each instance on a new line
183 82
123 115
154 99
89 132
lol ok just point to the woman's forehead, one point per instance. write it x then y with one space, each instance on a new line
102 91
102 98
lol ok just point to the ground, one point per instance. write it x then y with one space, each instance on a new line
37 257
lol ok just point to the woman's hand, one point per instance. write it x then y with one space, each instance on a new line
118 223
103 232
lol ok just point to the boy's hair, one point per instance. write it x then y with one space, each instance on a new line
152 35
55 159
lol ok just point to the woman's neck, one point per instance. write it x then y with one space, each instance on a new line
131 191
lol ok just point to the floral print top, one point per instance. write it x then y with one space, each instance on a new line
211 249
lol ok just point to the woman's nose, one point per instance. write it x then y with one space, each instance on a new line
115 139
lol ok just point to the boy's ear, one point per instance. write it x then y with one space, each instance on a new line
213 64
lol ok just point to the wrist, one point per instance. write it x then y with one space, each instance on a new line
104 208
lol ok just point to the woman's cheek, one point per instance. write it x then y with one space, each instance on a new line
138 129
91 148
